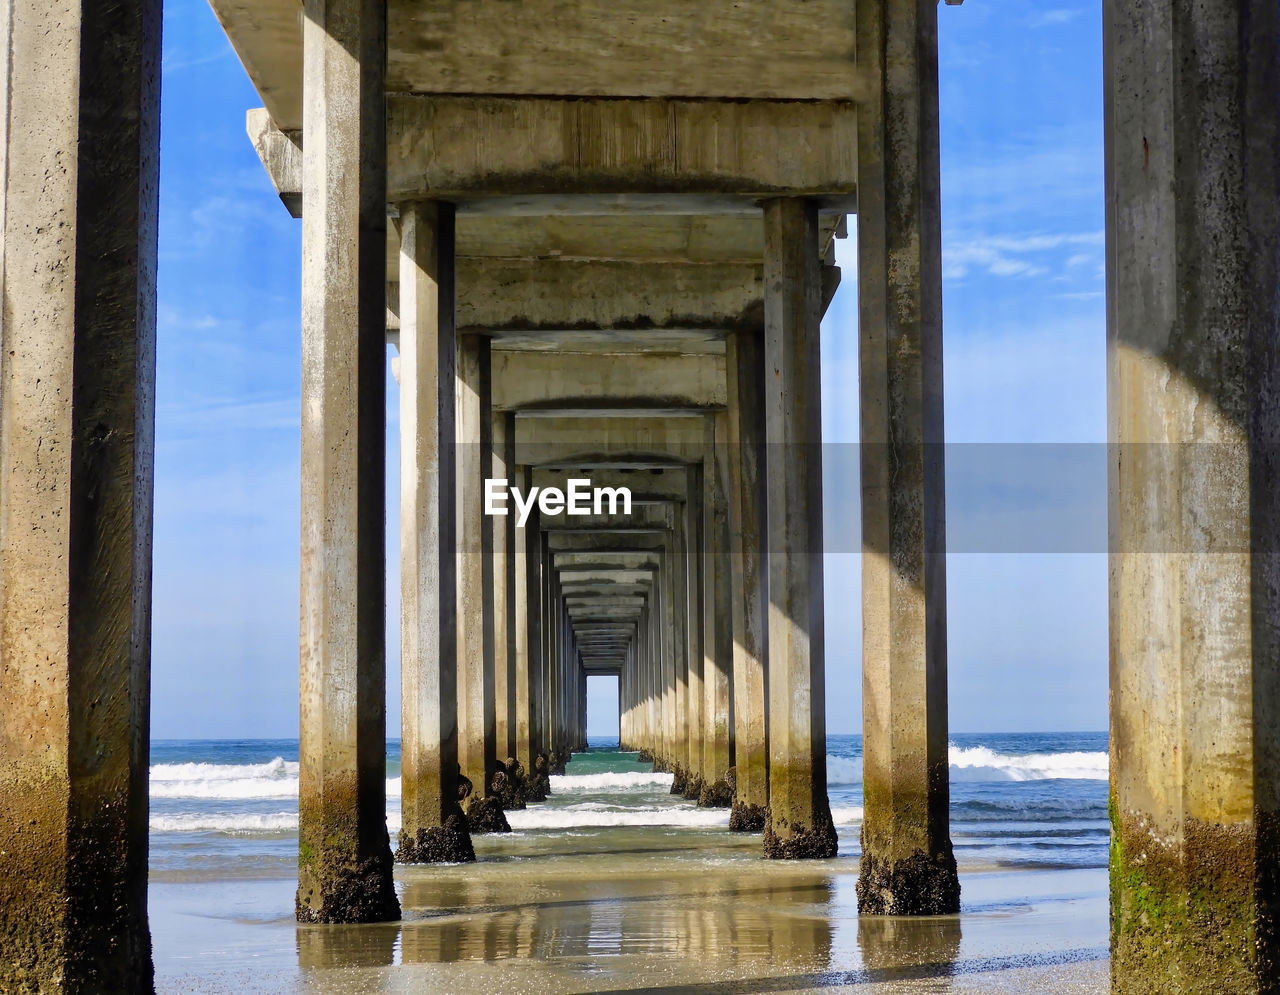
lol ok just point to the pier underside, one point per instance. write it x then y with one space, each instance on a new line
600 237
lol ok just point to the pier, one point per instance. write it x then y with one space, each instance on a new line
595 242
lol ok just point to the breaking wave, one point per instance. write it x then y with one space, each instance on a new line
981 763
610 781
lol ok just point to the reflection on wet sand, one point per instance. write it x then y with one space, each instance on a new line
646 906
680 913
898 947
765 922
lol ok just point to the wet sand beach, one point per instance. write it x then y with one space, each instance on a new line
622 907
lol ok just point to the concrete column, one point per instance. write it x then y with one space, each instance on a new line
344 855
77 382
717 620
1193 333
529 651
799 823
546 689
477 743
433 826
907 864
522 646
680 655
504 630
745 368
695 699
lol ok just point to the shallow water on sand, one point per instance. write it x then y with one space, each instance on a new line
615 885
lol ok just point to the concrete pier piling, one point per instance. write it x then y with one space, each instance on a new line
717 620
1193 262
611 262
799 821
344 856
477 708
433 825
744 363
907 863
77 388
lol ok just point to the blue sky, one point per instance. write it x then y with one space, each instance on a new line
1024 352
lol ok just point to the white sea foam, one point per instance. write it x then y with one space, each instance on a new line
276 778
235 822
980 763
609 781
277 769
580 816
849 815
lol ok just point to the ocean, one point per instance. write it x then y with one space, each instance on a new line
1018 800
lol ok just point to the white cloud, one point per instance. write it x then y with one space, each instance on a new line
1053 18
1000 255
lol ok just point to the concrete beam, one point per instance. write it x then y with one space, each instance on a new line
796 49
656 485
77 387
541 381
267 37
281 155
456 146
344 858
528 297
641 441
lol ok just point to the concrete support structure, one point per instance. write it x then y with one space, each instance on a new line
717 620
344 856
1193 263
907 863
477 743
747 567
433 826
504 578
799 822
77 381
695 698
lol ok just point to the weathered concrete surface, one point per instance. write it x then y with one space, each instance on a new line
502 467
1193 210
747 569
907 864
799 823
454 146
526 610
477 745
717 619
695 698
344 856
433 825
796 48
550 295
80 145
547 381
281 155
